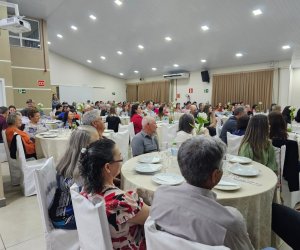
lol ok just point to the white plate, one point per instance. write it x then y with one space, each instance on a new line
50 136
243 170
239 159
149 159
147 168
168 179
227 185
53 130
45 133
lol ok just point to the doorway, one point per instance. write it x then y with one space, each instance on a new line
2 92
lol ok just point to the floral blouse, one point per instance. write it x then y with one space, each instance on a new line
120 207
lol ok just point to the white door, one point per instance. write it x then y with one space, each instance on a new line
2 93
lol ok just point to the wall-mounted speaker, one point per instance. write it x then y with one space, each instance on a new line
205 76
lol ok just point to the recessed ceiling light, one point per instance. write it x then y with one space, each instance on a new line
154 69
59 36
88 61
286 47
257 12
141 46
120 52
204 27
167 38
238 54
103 57
74 27
203 60
118 2
136 72
93 17
176 65
49 43
121 74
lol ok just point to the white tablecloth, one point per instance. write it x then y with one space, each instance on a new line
253 200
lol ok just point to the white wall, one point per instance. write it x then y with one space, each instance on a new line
69 73
295 84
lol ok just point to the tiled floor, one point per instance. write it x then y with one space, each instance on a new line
20 223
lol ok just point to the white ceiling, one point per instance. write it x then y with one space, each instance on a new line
233 28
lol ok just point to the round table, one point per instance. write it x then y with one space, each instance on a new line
55 147
253 199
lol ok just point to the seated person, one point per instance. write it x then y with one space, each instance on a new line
62 113
126 212
297 118
12 109
14 122
92 118
3 124
256 144
69 120
34 126
145 141
59 109
185 131
241 125
113 120
136 117
194 213
30 104
61 211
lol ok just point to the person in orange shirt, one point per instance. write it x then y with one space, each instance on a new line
14 122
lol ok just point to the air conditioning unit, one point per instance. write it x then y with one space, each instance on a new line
177 76
15 24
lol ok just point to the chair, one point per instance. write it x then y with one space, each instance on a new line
156 239
91 221
219 126
14 169
131 131
45 181
233 143
172 131
27 168
3 156
122 140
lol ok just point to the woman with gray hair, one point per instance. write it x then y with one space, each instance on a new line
190 210
61 211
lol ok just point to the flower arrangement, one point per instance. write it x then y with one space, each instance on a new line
39 107
199 123
80 107
292 112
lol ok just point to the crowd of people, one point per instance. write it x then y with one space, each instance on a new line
94 162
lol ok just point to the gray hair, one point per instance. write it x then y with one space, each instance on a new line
80 138
90 116
146 120
11 119
238 110
198 157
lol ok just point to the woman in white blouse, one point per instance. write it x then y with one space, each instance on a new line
186 123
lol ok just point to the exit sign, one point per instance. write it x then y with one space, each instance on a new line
22 91
41 83
206 91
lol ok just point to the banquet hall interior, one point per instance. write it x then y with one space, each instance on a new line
149 124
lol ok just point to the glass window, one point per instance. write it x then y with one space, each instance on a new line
29 39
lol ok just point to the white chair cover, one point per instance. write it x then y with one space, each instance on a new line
233 143
45 181
218 126
14 169
156 240
27 168
123 128
172 131
91 221
131 131
3 156
122 140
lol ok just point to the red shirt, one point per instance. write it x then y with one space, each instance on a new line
137 123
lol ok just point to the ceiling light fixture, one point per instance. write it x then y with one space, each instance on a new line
59 36
141 46
93 17
88 61
168 39
118 2
74 27
257 12
176 65
136 71
203 60
154 69
49 43
121 74
120 52
286 47
204 27
238 54
103 57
